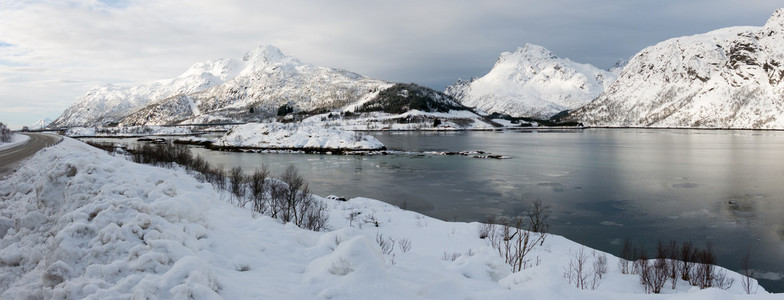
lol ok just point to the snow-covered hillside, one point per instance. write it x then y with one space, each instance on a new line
533 82
728 78
76 223
110 103
292 136
267 80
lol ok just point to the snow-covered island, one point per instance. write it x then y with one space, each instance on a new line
295 136
76 222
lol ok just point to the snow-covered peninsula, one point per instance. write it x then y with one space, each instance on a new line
295 136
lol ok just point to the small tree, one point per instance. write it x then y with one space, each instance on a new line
5 134
259 189
236 184
538 215
749 284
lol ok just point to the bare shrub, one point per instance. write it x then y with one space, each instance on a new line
643 268
687 256
450 256
514 244
626 257
705 270
259 189
580 274
5 134
487 229
387 244
749 284
538 215
237 185
599 265
404 244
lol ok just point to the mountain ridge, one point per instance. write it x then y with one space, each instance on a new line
726 78
534 82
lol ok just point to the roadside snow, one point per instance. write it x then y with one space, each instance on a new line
76 222
16 140
296 136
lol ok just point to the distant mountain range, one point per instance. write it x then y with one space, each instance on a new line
257 87
533 82
727 78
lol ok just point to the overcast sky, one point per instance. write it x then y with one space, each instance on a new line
52 51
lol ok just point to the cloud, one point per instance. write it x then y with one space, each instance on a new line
82 43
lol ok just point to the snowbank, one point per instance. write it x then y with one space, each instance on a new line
126 131
16 140
296 136
79 223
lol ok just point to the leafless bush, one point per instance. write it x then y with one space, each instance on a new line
577 273
599 264
673 264
259 189
387 244
749 284
687 256
643 268
514 244
538 215
237 185
404 244
705 270
450 256
5 134
487 229
626 257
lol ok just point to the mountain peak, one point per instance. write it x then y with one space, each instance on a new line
775 23
532 50
265 53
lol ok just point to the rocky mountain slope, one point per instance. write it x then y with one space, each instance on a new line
223 90
727 78
109 103
532 82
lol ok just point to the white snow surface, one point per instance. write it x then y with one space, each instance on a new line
533 82
16 140
727 78
76 223
296 136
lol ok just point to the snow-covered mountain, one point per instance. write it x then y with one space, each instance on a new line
41 124
268 80
533 82
727 78
109 103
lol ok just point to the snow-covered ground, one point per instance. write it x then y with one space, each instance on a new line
296 136
16 140
126 131
76 222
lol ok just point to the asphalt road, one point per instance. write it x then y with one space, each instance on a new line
10 158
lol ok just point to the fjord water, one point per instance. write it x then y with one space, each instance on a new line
603 185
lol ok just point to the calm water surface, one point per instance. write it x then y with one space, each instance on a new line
722 187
